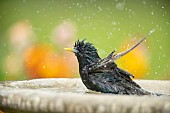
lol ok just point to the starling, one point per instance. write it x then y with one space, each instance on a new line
103 75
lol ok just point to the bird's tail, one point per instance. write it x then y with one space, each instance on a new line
154 94
159 94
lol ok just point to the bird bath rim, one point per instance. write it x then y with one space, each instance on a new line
40 95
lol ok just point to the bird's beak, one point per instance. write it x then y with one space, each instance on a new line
69 49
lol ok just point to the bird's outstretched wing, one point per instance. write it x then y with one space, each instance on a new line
106 65
108 62
102 64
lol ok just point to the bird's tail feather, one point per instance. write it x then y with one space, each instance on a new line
117 56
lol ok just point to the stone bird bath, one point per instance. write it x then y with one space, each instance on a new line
70 96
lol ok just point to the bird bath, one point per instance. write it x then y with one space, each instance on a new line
71 96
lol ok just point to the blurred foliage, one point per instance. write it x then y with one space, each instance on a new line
111 24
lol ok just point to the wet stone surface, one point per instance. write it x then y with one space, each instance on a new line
71 96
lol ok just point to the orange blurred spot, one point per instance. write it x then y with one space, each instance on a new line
42 62
135 62
1 111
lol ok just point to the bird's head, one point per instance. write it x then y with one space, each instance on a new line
85 52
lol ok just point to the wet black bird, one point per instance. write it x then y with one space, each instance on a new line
103 75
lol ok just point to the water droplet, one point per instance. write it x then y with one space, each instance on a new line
38 11
44 66
114 23
152 13
167 23
120 6
100 9
151 31
160 46
157 2
144 2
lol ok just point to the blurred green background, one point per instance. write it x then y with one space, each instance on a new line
108 24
